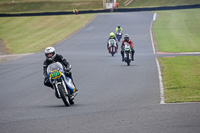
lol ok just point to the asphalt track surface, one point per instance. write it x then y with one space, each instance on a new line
113 97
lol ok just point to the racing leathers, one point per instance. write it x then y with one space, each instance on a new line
66 66
111 38
118 29
132 50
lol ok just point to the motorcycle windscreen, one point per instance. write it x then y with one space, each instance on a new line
54 66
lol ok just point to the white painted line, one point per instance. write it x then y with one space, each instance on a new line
154 16
173 53
162 98
152 34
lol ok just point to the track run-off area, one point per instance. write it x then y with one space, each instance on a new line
113 97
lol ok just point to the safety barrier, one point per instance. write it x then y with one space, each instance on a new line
106 11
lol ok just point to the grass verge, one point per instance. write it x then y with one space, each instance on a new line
158 3
32 34
181 78
179 31
49 6
2 60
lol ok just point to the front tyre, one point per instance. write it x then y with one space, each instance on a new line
112 51
128 59
119 37
63 95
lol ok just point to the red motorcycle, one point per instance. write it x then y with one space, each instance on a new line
112 46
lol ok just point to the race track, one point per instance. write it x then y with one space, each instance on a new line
113 97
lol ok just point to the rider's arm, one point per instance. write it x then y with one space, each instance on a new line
132 45
122 46
45 69
108 40
63 61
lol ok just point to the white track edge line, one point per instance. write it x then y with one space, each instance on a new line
162 99
152 43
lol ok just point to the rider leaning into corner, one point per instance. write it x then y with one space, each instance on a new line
112 36
51 57
126 39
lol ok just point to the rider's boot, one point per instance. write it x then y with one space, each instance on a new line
132 58
69 74
122 53
116 49
133 51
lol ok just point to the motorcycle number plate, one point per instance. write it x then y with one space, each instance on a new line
55 74
127 49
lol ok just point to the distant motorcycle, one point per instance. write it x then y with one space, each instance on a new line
127 53
63 86
119 35
112 46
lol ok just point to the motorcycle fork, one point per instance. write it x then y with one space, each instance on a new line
57 93
65 87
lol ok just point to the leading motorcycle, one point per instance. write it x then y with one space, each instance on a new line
63 85
127 53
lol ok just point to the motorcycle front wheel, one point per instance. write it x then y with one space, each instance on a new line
112 51
119 38
128 59
64 96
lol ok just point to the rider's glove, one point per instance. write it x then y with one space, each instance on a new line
68 69
46 79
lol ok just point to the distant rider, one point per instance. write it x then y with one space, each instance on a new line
119 28
51 57
112 36
126 39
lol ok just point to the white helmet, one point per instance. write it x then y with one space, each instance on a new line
50 50
126 37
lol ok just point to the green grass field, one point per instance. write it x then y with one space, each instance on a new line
179 31
32 34
11 1
181 78
157 3
21 6
48 6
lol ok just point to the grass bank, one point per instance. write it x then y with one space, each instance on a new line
179 31
32 34
158 3
49 6
181 78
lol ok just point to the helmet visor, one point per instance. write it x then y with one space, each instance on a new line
49 55
126 38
